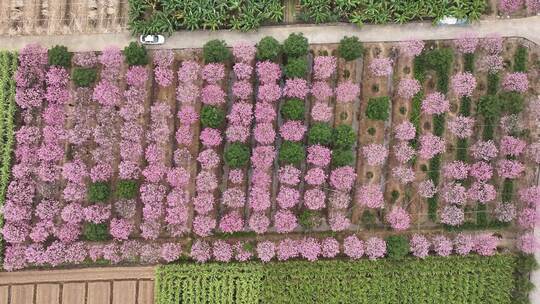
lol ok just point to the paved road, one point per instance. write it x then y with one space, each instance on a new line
523 27
108 285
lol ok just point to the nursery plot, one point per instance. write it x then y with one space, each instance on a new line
275 151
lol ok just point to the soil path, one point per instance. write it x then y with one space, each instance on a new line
110 285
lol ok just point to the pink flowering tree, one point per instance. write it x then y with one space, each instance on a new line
435 104
381 67
412 48
463 84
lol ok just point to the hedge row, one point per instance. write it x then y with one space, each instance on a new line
448 280
8 66
439 60
166 16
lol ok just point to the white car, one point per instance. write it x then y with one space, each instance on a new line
152 39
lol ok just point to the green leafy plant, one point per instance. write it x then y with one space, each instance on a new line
8 67
342 157
520 59
489 106
344 137
127 189
350 48
95 232
296 68
59 56
453 279
268 49
212 117
320 134
378 108
291 153
397 246
98 192
237 155
293 109
84 77
296 45
216 51
493 83
135 54
317 11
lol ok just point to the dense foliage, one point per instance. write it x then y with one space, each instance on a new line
291 153
268 48
59 56
216 51
378 108
84 77
164 16
350 48
320 133
296 45
135 54
212 117
127 189
296 68
236 155
293 109
463 279
98 192
95 232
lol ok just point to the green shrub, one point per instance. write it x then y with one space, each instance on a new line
95 232
342 157
397 246
127 189
295 45
371 131
216 51
296 68
212 117
237 155
344 137
368 219
511 102
84 77
438 124
465 106
350 48
291 153
293 109
308 219
135 54
268 49
489 106
469 62
320 134
493 83
520 59
378 108
98 192
59 56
